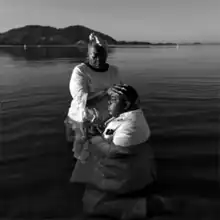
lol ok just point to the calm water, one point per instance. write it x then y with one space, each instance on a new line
180 95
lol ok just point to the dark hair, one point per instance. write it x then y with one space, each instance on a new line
129 93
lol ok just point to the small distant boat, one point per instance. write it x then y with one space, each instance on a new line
177 46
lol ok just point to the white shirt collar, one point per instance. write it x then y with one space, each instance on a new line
125 115
129 114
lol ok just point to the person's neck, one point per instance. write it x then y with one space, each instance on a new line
102 68
133 108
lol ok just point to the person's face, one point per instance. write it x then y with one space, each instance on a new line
97 55
116 106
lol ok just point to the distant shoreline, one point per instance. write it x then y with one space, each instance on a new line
110 46
73 36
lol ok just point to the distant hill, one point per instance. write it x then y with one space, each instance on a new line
133 43
46 35
72 35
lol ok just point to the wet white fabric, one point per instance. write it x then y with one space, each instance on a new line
84 84
128 129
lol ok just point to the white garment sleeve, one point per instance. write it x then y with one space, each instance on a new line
129 134
78 84
100 146
79 89
125 136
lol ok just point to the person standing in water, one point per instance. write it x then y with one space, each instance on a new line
87 79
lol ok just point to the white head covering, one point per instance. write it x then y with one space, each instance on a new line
98 40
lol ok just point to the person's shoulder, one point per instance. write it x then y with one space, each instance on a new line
138 116
80 67
126 122
80 70
135 126
132 118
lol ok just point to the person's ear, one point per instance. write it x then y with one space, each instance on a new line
127 105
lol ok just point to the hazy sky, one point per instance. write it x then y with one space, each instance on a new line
147 20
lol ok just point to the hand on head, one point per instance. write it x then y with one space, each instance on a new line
122 98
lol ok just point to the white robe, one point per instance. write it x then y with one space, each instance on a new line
129 129
122 134
84 84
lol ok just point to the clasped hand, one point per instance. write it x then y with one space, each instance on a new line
93 129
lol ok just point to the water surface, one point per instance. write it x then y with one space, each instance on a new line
179 91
